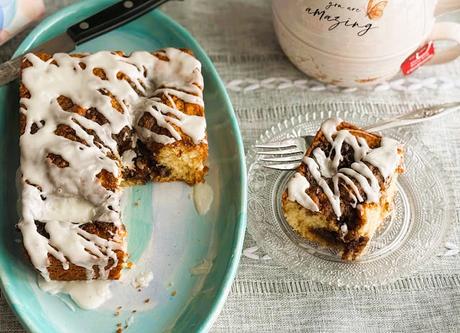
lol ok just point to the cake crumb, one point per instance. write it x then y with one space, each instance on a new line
147 300
129 264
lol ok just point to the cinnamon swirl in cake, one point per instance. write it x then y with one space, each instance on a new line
90 125
344 188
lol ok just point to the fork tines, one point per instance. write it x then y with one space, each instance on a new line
274 151
279 144
283 155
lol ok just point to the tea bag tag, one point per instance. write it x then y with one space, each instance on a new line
420 57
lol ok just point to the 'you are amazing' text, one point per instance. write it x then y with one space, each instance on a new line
338 21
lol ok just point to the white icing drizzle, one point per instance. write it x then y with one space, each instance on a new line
165 116
385 157
297 188
356 195
357 172
65 198
127 159
344 229
329 127
325 164
334 199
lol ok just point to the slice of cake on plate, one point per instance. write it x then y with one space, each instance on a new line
344 188
91 124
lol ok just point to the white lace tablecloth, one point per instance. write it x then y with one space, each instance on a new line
265 89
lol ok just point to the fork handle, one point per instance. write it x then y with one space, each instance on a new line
414 117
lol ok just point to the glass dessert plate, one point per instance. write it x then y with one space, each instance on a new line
403 243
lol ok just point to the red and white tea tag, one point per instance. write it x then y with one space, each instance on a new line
418 58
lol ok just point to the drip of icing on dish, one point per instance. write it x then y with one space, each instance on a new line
86 294
324 167
65 197
203 196
142 280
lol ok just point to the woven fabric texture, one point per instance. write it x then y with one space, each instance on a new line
265 297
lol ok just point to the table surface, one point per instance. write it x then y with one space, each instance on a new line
265 89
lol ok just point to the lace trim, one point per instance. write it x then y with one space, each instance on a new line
414 283
402 84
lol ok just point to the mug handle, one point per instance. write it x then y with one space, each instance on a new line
446 6
443 31
446 30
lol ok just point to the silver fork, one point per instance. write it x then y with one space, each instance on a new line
287 154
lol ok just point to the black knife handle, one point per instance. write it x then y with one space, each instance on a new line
110 18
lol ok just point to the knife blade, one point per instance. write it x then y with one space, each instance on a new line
9 70
108 19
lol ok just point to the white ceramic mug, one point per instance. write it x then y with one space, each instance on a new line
360 42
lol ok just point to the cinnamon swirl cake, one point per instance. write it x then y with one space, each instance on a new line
344 188
91 124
